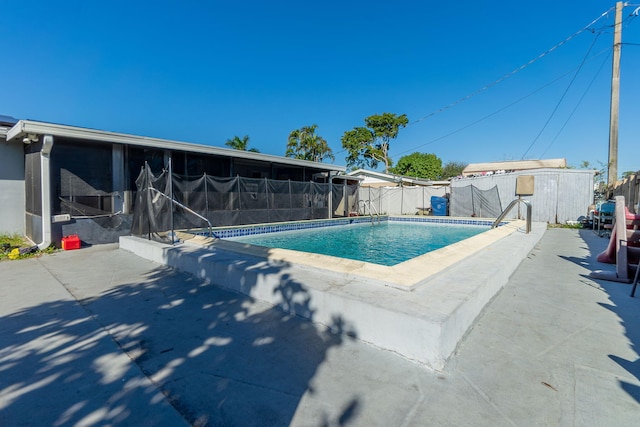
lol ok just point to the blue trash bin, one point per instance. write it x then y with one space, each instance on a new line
439 206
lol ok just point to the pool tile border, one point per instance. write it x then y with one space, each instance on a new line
445 220
250 230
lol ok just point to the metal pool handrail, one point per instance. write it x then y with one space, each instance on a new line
372 209
511 205
185 208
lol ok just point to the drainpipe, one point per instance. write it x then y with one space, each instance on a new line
45 190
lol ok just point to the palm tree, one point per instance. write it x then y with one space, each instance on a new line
241 144
305 144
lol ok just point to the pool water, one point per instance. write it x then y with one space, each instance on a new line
388 243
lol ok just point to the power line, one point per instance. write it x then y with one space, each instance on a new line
500 109
501 79
488 115
625 22
576 107
555 109
506 76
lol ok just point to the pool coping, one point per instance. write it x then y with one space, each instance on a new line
406 275
424 324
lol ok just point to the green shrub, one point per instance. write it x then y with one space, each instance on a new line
13 246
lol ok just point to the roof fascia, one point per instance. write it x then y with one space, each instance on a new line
380 175
24 127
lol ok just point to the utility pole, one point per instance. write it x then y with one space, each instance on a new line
615 99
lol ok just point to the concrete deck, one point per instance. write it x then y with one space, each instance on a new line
99 336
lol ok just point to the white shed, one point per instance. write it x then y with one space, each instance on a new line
560 195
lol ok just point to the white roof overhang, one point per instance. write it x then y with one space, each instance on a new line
25 127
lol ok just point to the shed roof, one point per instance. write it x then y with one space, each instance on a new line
514 165
381 177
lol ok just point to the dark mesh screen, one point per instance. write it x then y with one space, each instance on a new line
224 202
33 183
83 175
470 201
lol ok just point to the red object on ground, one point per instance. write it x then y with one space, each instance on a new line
71 242
609 255
630 217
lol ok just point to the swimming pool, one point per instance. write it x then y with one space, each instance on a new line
403 275
387 243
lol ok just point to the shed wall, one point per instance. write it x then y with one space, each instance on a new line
560 195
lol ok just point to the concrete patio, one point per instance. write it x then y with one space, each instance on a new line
99 336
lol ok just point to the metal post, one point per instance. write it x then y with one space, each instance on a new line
145 187
266 193
311 198
206 196
473 205
171 199
330 198
345 199
239 198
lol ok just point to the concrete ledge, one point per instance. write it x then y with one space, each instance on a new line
424 324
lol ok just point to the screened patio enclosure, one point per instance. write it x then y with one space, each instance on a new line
83 181
198 203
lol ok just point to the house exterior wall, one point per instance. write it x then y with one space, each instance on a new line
12 188
560 195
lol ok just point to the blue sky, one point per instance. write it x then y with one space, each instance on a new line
206 71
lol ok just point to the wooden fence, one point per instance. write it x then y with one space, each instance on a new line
629 187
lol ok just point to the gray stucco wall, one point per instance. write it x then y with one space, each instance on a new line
12 196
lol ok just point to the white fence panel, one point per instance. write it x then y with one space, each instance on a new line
398 200
559 195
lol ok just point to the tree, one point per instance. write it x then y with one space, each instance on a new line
368 146
305 144
601 180
419 165
241 144
584 164
358 144
452 169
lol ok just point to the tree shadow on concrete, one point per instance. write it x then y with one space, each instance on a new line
622 304
218 357
58 367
